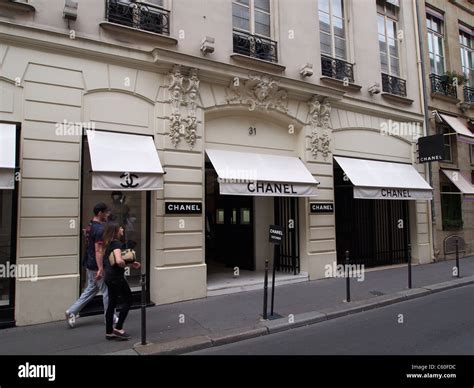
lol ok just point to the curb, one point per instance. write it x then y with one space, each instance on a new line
191 344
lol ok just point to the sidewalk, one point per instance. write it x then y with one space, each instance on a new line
228 318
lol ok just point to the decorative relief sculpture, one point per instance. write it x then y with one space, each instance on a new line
320 121
260 91
184 91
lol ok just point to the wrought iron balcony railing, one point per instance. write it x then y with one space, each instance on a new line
468 94
337 68
441 85
139 15
255 46
394 85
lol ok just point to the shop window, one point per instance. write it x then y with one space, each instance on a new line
129 208
233 220
245 216
451 207
6 219
219 216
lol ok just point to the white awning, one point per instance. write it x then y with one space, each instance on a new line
460 127
460 181
246 173
124 162
7 156
384 180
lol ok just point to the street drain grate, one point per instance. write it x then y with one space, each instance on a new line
376 293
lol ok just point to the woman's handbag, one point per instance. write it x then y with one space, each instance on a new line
128 255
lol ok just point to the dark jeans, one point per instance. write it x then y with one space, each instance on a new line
118 288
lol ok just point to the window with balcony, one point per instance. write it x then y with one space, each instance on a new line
467 61
251 21
333 40
387 28
435 27
146 16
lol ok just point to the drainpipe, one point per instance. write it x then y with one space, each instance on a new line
420 51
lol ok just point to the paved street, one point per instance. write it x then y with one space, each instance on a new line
439 324
222 314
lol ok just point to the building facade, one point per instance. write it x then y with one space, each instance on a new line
303 114
449 62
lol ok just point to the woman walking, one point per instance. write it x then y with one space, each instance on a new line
116 282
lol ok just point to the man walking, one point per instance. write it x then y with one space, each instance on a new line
93 261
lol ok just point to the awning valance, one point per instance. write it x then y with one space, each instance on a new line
458 126
463 184
124 162
247 173
7 156
384 180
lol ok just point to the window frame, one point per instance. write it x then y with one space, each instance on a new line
443 197
447 133
430 35
387 50
95 306
7 310
331 28
251 7
470 52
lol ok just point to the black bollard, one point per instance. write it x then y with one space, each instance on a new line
143 283
348 279
265 290
457 256
276 255
409 271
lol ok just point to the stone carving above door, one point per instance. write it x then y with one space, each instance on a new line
260 92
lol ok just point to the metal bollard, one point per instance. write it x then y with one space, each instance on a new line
265 291
276 255
457 256
143 283
409 271
348 279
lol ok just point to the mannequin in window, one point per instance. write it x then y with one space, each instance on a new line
121 215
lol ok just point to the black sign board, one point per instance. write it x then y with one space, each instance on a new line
431 148
276 234
316 208
183 207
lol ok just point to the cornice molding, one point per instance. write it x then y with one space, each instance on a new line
464 8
